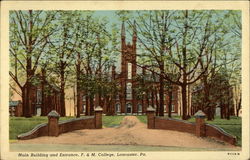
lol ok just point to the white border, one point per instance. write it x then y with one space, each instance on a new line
131 5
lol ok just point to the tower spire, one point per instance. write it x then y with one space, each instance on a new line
134 29
123 29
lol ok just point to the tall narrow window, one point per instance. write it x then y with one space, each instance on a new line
83 108
118 107
139 108
165 108
129 91
39 96
129 71
173 108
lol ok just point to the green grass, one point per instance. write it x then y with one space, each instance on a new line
142 119
19 125
111 121
232 126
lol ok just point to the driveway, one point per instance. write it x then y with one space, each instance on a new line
131 132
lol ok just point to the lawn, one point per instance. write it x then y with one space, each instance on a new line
232 126
111 121
19 125
143 119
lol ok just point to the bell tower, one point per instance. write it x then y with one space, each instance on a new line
128 72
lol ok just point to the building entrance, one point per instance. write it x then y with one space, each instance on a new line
128 108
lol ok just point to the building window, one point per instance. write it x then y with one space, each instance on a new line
173 108
165 108
118 107
129 71
83 98
139 108
39 96
83 108
129 91
38 111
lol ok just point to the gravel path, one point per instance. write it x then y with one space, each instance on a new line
130 132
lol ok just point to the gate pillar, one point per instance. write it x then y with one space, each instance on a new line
98 117
151 117
53 127
200 130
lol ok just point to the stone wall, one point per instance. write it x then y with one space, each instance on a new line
55 128
199 128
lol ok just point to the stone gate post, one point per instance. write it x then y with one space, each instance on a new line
98 117
200 124
53 127
151 117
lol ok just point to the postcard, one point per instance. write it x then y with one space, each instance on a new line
124 80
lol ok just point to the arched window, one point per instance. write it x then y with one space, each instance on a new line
39 96
38 111
139 107
117 107
173 108
83 108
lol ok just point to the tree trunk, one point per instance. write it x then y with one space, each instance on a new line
23 101
29 71
156 100
78 96
147 100
209 114
222 113
27 112
78 99
152 99
43 109
62 94
161 91
91 103
184 101
238 107
228 111
170 103
87 110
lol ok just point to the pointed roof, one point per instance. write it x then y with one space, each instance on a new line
123 29
134 29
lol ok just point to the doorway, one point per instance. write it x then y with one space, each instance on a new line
128 108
